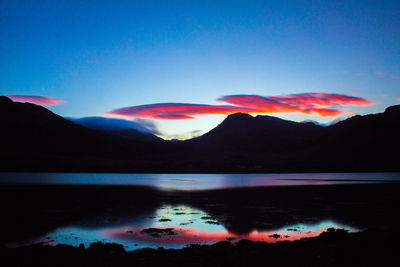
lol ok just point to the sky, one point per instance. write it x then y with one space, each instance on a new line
185 65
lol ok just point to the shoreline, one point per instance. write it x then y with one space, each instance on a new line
333 247
33 210
2 171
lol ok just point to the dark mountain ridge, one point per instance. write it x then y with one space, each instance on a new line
108 124
243 132
35 139
265 143
123 128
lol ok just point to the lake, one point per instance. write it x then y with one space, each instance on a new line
196 181
176 210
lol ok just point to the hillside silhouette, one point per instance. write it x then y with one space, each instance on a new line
36 139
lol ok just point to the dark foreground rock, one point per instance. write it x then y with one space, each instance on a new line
331 248
158 232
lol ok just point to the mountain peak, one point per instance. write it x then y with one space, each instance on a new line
239 115
393 109
4 99
237 119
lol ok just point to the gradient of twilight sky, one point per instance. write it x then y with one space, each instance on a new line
100 56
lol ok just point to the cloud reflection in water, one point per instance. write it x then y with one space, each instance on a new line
175 226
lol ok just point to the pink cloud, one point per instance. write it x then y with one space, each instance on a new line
396 77
360 74
38 100
320 104
381 74
175 111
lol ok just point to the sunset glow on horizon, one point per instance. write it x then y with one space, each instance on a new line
37 100
186 65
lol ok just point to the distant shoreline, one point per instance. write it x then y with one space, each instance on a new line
189 172
195 181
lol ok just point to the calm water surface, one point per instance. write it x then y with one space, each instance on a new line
172 226
176 226
195 181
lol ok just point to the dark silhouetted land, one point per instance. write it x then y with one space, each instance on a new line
331 248
35 139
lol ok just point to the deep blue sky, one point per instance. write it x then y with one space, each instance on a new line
98 56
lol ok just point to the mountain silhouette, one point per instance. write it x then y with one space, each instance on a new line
36 139
243 133
359 143
127 129
136 135
369 142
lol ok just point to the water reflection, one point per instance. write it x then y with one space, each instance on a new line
195 181
175 226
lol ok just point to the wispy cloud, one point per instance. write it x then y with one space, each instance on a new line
381 74
387 75
150 125
320 104
38 100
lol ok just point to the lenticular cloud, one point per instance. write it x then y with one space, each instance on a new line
38 100
320 104
175 111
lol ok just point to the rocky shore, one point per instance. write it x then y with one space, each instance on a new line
335 247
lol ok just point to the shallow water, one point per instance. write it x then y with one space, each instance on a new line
173 226
160 222
196 181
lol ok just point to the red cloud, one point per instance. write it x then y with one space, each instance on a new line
38 100
175 111
320 104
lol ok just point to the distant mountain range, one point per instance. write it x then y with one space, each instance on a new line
36 139
123 128
109 124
